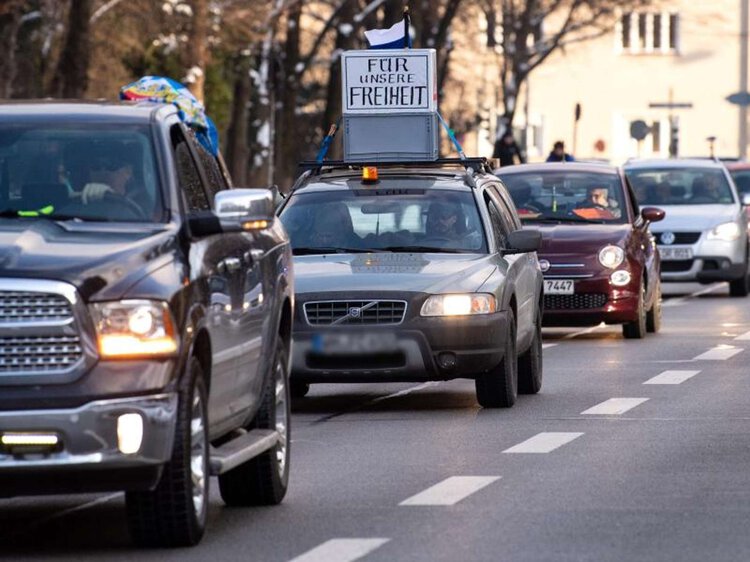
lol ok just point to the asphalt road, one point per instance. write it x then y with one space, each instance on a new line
634 450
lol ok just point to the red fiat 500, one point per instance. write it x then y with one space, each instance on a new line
598 257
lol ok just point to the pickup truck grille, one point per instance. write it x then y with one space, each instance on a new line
344 313
23 307
39 354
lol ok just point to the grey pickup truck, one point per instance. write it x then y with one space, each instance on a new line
145 317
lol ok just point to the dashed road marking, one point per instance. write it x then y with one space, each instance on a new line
743 337
614 406
718 353
451 490
544 442
341 550
548 345
672 377
682 300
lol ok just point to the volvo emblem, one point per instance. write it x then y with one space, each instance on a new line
355 311
667 238
544 265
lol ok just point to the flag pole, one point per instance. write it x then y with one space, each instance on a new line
407 42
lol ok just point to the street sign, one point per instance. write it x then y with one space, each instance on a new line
639 130
389 81
740 98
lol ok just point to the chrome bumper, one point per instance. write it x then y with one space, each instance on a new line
88 434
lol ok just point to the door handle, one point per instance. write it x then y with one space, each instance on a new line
229 265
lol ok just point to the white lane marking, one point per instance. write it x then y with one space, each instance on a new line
584 332
341 550
683 300
548 345
743 337
63 513
544 442
719 353
672 377
614 406
451 490
403 392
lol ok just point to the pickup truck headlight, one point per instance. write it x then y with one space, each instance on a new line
727 232
611 256
459 305
134 328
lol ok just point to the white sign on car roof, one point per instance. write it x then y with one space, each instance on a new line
389 81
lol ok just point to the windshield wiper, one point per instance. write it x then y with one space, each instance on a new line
425 249
331 250
567 218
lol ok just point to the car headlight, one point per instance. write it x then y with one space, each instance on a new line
728 232
611 256
134 328
459 305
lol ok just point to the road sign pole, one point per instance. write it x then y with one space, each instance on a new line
744 13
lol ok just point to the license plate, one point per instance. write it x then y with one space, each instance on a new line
669 253
354 343
559 286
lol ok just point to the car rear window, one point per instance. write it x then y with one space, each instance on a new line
680 186
572 196
45 169
385 217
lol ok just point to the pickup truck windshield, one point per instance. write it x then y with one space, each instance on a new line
87 171
387 220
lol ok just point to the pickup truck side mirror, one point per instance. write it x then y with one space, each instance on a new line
235 210
652 214
523 241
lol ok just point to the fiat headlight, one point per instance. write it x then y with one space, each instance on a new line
611 256
727 232
134 328
459 305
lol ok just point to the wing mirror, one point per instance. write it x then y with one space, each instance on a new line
652 214
523 241
235 210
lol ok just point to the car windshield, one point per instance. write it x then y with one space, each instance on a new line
392 219
86 171
741 180
578 197
680 186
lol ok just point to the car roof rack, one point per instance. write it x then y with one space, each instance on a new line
476 165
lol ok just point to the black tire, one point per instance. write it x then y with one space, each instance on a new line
653 316
168 515
498 388
636 330
530 365
298 389
263 480
740 287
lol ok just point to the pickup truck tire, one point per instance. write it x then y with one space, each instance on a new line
174 513
530 363
498 388
263 480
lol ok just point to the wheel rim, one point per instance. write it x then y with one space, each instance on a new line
198 454
282 422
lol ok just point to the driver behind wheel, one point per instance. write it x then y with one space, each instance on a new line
445 220
597 205
112 172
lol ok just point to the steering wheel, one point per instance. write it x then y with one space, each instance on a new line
124 202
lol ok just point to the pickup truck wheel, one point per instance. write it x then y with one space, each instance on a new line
498 388
530 363
636 329
653 316
263 480
174 513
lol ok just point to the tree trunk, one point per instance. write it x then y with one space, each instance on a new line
10 22
197 53
238 153
71 77
288 143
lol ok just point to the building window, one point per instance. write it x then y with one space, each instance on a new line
648 32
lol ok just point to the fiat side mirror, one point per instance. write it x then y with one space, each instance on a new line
652 214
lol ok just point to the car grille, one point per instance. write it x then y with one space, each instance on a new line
676 266
575 302
681 237
23 307
39 354
363 312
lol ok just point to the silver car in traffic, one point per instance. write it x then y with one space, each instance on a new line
704 234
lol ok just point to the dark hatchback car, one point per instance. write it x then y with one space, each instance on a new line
146 318
599 260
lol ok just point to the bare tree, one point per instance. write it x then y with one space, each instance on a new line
531 30
71 77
